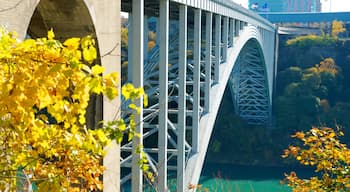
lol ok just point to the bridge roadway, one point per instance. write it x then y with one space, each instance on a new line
276 17
216 44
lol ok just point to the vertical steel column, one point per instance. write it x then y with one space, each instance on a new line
232 31
237 28
145 36
157 30
208 44
181 138
130 49
163 94
225 38
217 48
196 80
137 80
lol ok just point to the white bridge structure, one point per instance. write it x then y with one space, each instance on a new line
202 47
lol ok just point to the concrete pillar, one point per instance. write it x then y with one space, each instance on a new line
16 15
106 17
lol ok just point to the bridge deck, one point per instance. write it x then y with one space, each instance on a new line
306 17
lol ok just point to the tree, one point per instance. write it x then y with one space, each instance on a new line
321 149
337 27
287 76
45 90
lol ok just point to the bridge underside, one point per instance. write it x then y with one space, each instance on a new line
248 85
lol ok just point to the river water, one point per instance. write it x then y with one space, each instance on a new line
238 178
234 178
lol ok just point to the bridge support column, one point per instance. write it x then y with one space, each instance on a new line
163 94
145 36
181 138
208 63
157 30
225 39
231 32
241 25
196 80
108 34
137 80
217 48
237 28
130 45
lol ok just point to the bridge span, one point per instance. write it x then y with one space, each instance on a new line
300 17
210 45
203 46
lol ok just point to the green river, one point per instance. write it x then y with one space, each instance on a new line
233 178
237 178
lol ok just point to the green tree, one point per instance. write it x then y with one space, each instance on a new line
288 76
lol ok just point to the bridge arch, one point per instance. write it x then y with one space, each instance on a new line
68 18
251 37
248 84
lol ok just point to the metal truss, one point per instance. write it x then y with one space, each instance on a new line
151 113
180 76
249 88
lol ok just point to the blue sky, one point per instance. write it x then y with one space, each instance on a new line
330 5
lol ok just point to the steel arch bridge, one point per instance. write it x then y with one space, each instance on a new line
202 47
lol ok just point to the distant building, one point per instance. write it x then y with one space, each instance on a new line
285 5
266 5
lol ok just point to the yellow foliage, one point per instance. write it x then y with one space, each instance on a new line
328 65
150 45
45 88
323 150
50 34
337 27
311 40
152 35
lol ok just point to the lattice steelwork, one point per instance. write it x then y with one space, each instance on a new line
185 76
249 88
151 113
